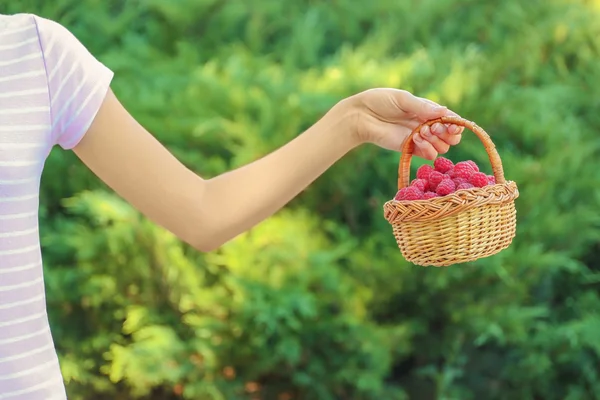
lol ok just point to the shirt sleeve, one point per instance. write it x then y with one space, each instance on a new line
77 82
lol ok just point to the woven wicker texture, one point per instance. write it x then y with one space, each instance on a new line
464 226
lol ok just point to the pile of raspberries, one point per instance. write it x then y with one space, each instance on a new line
444 178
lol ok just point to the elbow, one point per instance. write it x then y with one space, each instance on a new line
204 236
205 246
209 240
203 240
203 229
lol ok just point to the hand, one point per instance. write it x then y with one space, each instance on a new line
386 117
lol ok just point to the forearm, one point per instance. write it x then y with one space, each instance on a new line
236 201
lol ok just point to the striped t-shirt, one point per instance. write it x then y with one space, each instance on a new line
50 90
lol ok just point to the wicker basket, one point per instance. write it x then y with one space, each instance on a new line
461 227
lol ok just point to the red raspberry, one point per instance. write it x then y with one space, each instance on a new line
451 173
463 170
442 164
472 164
434 180
424 171
478 179
491 179
409 193
465 185
419 183
458 181
445 187
430 195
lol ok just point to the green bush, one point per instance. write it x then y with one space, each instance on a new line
317 302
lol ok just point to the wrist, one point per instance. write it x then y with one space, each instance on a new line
345 117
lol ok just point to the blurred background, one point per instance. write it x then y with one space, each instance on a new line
317 302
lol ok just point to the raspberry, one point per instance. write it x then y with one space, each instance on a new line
419 183
430 195
447 186
463 170
465 185
478 179
472 164
424 171
442 164
434 180
458 181
491 179
409 193
451 173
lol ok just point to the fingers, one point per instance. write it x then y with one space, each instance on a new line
438 144
449 134
423 148
422 108
434 140
451 128
455 129
429 141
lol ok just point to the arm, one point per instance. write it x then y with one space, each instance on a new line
208 213
87 117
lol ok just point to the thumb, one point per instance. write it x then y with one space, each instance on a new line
427 109
423 109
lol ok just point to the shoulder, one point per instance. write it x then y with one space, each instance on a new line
13 22
49 30
20 50
16 28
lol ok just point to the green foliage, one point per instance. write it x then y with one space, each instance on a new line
317 302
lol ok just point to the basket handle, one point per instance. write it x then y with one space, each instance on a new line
409 147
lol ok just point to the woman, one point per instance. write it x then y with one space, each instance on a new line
53 91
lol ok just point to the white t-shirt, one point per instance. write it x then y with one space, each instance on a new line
51 88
